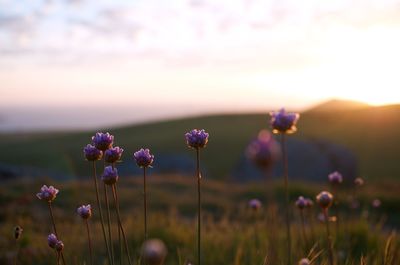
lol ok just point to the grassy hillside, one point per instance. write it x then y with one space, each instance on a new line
370 132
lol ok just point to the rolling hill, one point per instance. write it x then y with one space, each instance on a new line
371 133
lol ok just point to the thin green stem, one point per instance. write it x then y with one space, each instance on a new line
120 245
198 207
109 223
286 185
303 227
52 219
145 203
89 241
329 237
58 257
119 232
115 195
336 205
101 212
16 251
54 227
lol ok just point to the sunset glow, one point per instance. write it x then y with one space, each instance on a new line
243 55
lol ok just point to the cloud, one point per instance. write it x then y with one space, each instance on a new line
195 31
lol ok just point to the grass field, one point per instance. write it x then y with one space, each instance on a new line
233 234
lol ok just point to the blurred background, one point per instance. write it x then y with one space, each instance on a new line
147 71
89 64
69 68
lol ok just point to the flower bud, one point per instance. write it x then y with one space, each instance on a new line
325 199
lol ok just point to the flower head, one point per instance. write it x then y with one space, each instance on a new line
102 141
52 240
143 158
59 246
18 232
196 138
301 203
92 153
47 193
113 154
358 182
255 204
154 252
325 199
110 175
284 122
304 261
376 203
309 203
85 211
263 150
335 178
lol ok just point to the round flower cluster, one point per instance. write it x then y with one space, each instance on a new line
113 154
284 122
110 175
196 138
325 199
143 158
53 242
263 150
47 193
335 178
85 211
255 204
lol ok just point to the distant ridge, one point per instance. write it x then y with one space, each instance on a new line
370 133
339 105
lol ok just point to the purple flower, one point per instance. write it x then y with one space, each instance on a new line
358 182
102 141
301 203
304 261
325 199
92 153
59 246
143 158
263 150
255 204
113 154
52 240
154 252
335 178
110 175
85 211
47 193
196 138
309 203
283 122
376 203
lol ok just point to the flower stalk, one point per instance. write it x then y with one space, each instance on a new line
60 253
101 212
286 187
198 205
144 159
197 139
89 242
145 203
115 195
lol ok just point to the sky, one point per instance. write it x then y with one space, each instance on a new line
62 63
